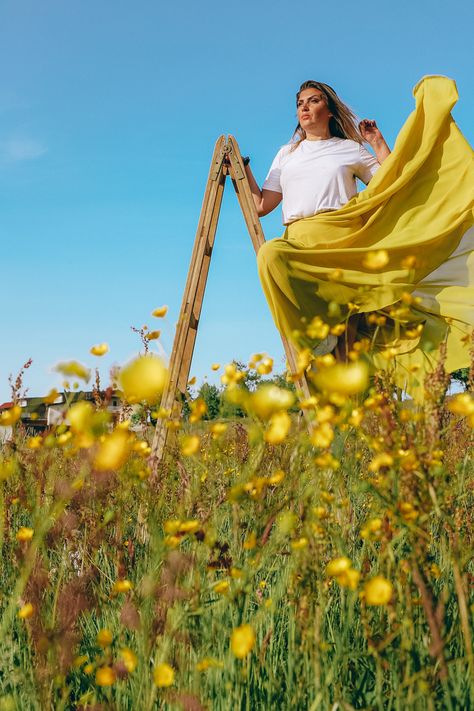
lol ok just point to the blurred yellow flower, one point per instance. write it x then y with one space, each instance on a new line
278 429
10 417
215 366
79 416
408 511
337 566
104 637
371 527
198 409
343 379
129 659
378 591
51 396
143 379
26 611
122 586
376 259
462 404
349 579
250 542
24 534
322 436
73 368
217 429
268 399
113 451
163 675
242 641
317 329
100 349
34 442
276 478
266 366
208 663
299 543
105 676
380 461
222 586
409 262
232 376
190 445
160 312
153 335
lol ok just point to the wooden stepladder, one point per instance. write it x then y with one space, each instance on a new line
226 160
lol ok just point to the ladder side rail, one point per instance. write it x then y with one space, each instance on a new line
195 283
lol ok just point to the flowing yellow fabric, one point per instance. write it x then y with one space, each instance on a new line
416 214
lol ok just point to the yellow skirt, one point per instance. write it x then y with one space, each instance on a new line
402 248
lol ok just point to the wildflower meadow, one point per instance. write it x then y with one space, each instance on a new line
288 552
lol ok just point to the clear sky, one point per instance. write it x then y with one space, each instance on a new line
109 111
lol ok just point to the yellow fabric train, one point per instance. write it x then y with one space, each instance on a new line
406 240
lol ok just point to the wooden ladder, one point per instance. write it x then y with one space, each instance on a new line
226 160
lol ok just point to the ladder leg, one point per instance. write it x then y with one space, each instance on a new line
186 328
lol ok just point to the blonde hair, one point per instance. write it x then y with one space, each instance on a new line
343 122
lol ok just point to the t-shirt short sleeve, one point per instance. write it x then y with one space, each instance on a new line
272 181
367 165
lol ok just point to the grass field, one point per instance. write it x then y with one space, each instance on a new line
264 567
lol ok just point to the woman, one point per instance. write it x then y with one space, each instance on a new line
397 254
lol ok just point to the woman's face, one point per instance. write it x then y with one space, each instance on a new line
312 109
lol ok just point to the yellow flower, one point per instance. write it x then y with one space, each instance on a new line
153 335
337 566
208 663
299 543
129 659
373 526
278 429
242 641
198 410
26 611
336 275
317 329
73 368
100 349
113 451
10 417
276 478
163 675
217 429
462 404
376 259
143 379
190 526
51 396
250 542
160 312
105 676
265 367
322 436
408 262
378 591
104 637
408 511
380 461
79 416
122 586
268 399
232 376
215 366
343 379
349 579
222 586
190 445
24 534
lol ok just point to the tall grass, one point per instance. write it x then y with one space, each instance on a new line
113 559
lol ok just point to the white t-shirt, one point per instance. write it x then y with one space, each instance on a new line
318 175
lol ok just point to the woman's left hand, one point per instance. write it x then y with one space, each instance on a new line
370 131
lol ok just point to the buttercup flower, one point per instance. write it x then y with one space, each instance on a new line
242 641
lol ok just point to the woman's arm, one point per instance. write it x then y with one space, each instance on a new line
265 200
371 133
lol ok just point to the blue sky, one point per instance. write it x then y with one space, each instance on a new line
108 116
